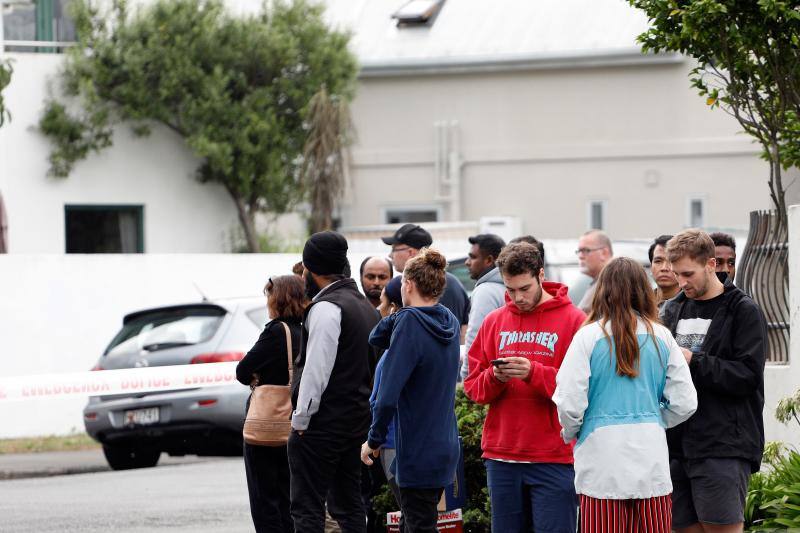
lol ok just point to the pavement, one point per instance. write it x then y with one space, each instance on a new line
32 465
206 495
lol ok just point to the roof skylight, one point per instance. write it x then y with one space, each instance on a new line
417 12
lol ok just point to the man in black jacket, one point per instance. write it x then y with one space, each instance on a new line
330 393
723 335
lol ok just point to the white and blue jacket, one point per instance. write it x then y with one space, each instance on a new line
620 421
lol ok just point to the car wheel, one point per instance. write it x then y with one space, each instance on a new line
127 457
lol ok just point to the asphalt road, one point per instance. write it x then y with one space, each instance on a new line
27 465
204 496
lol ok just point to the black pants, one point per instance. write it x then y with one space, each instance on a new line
326 468
419 509
372 482
267 471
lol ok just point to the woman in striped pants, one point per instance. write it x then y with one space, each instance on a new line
623 381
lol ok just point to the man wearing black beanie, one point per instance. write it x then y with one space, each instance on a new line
330 392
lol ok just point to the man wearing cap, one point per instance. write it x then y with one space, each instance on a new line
330 392
406 242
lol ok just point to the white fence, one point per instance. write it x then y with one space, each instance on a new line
58 313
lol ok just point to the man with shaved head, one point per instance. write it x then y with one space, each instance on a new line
594 251
375 274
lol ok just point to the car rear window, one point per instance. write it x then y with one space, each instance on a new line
167 328
258 316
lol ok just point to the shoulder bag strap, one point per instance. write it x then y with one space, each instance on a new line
288 349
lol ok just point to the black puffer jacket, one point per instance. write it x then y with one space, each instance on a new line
728 374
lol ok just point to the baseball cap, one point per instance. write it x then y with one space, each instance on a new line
393 291
410 235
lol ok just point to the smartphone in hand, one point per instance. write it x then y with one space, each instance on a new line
499 362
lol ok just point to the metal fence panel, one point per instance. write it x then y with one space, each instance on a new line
763 274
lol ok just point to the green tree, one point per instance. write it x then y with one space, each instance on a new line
748 54
237 89
5 80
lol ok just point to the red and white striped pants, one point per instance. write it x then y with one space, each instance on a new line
649 515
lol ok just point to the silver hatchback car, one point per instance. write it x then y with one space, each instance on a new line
135 429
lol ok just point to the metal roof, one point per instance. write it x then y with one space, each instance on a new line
473 34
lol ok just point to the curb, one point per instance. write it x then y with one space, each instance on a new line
30 474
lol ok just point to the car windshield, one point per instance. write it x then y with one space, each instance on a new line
459 270
167 328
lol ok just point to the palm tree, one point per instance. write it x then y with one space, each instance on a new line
330 132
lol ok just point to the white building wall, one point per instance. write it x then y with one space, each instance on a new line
180 213
539 144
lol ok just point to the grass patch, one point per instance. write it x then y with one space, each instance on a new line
52 443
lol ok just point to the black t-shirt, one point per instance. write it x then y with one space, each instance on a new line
455 299
694 321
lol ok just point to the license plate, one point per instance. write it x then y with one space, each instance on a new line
142 417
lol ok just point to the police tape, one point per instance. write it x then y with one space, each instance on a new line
122 381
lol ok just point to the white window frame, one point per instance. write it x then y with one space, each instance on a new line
703 199
604 213
411 208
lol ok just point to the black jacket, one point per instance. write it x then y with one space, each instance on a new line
344 406
267 357
728 374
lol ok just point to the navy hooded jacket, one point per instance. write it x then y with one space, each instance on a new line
418 384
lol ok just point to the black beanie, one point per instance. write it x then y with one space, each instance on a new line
325 253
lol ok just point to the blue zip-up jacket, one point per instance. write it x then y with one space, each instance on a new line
389 444
418 382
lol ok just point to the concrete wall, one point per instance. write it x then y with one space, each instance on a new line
59 312
784 380
540 144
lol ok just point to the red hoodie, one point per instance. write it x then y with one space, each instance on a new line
522 423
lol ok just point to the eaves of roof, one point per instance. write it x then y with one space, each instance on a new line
511 63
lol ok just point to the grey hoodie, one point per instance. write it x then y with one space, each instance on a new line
489 294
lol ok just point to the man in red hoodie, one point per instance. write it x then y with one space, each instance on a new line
513 364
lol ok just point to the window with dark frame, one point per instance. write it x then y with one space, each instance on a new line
104 229
413 216
596 215
42 20
696 213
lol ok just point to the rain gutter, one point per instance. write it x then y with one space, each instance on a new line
511 63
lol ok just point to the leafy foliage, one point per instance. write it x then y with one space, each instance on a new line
748 54
773 499
788 409
477 514
5 79
237 89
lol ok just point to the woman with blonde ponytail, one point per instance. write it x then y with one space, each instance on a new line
417 391
623 381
